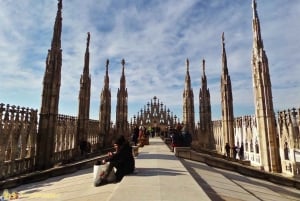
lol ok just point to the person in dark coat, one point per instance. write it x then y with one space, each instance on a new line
227 149
186 137
176 142
135 136
241 152
122 159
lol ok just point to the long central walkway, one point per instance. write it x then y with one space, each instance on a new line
159 176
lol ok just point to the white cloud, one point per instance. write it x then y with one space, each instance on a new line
154 38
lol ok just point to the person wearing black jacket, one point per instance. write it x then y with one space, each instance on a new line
122 159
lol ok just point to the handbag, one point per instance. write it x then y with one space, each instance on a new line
100 170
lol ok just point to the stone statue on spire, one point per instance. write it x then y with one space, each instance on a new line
88 40
59 5
254 8
254 4
223 38
187 64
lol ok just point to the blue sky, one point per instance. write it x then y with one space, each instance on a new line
155 38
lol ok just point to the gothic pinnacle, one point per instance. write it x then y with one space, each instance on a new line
224 58
87 55
258 42
56 43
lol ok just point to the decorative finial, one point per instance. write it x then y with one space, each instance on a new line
107 62
203 65
254 8
59 4
223 37
88 40
254 4
123 62
187 64
223 41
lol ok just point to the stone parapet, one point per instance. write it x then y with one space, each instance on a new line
45 174
242 167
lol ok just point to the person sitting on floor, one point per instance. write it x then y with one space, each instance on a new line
122 159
